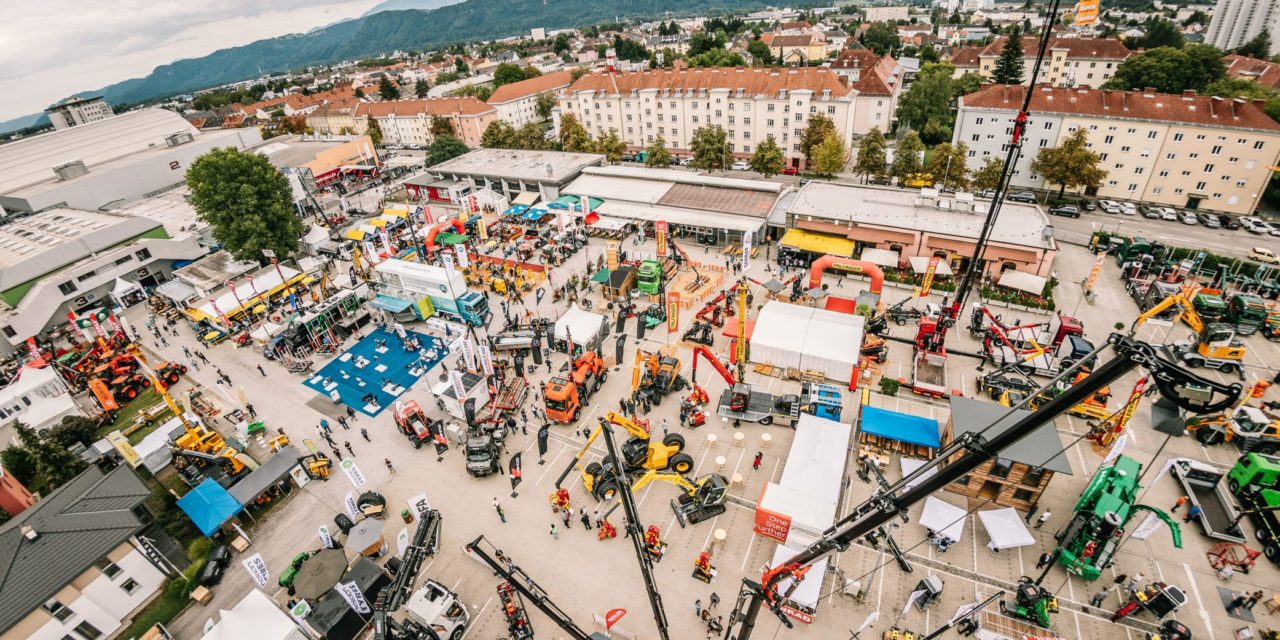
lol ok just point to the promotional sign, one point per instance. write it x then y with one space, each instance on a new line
673 311
455 378
214 303
464 260
1087 12
544 434
126 450
350 503
325 538
746 251
1149 526
1094 272
927 285
561 220
353 472
103 395
515 469
660 230
419 504
469 353
97 326
402 540
350 591
447 259
71 319
257 567
612 617
486 359
483 229
611 255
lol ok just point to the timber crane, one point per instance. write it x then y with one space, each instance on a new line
1187 390
425 542
1212 344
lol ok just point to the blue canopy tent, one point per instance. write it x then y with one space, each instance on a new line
209 505
901 427
515 210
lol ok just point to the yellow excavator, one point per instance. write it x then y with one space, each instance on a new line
1213 345
702 499
640 454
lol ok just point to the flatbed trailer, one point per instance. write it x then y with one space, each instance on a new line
761 406
510 398
929 374
1204 488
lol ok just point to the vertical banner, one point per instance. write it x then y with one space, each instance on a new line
673 311
32 348
486 359
97 326
213 303
611 255
1087 12
746 251
464 260
660 233
350 591
325 538
1149 526
447 259
257 567
350 503
75 326
1116 450
402 540
1094 273
516 470
469 353
927 285
111 320
353 472
561 222
482 228
455 378
544 434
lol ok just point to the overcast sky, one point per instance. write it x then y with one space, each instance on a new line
50 49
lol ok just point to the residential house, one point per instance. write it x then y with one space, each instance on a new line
1263 72
797 49
965 60
408 122
750 104
517 102
586 54
1197 152
877 82
915 34
678 42
75 565
1072 62
1020 474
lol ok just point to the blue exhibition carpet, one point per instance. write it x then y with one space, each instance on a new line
378 365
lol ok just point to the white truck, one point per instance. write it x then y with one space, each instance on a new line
448 291
438 610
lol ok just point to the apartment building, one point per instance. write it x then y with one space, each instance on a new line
517 102
74 111
408 122
1072 62
1197 152
877 83
796 48
885 14
1236 22
749 104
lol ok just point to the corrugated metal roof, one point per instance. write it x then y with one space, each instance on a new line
968 415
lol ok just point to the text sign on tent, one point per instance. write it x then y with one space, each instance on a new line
350 591
353 472
257 567
660 230
611 255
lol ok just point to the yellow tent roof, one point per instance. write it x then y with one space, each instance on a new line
377 222
355 234
820 243
395 213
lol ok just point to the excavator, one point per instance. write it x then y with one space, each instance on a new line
640 454
1213 345
1250 427
564 397
660 375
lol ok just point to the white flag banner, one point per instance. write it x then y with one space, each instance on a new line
353 472
746 251
459 392
1116 449
1149 526
871 617
257 567
350 502
963 611
486 359
419 504
469 352
447 259
350 591
325 538
402 540
464 260
910 599
1165 469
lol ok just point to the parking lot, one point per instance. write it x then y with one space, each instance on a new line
587 577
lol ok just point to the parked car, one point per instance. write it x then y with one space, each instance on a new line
1022 196
1228 222
741 165
1088 205
986 193
684 162
1262 254
1275 228
1254 225
791 171
1068 210
1109 206
1168 213
1150 211
1187 217
1209 220
1129 209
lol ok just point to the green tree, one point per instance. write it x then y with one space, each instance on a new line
760 52
966 84
872 156
73 430
1170 70
373 130
907 157
507 73
573 136
387 90
18 461
359 93
1070 164
929 100
246 201
460 66
444 147
948 165
814 133
441 126
880 37
1241 88
767 159
54 464
987 177
420 88
1008 69
611 145
700 42
718 58
1162 33
1199 17
1258 47
543 104
533 137
710 148
656 154
498 135
830 156
561 44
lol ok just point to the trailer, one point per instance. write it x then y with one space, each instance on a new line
445 288
746 402
1204 488
929 374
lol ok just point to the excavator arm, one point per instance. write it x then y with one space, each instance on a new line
1174 530
521 582
653 475
715 364
1188 312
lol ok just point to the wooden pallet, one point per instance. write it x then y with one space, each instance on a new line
765 369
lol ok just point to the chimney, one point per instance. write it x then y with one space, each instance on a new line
29 533
1189 93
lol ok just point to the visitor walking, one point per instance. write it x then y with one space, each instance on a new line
364 433
262 371
555 533
347 445
755 464
1179 504
390 467
501 514
1098 598
586 521
1193 512
1044 517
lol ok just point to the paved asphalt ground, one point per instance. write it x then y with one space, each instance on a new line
587 577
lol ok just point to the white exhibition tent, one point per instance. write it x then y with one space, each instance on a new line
910 465
257 617
920 264
1022 281
943 518
882 257
809 592
585 327
122 288
1006 529
799 337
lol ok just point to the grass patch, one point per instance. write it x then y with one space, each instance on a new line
174 596
125 415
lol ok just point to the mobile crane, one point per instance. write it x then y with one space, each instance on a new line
425 542
1213 345
1185 389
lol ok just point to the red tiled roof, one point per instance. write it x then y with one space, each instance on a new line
1095 48
855 59
1263 72
532 86
966 56
874 71
752 81
1185 109
463 106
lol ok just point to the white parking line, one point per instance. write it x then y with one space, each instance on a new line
1195 591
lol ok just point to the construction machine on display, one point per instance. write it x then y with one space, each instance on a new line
564 397
659 375
640 453
1212 344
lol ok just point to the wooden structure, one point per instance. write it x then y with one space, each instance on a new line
1019 476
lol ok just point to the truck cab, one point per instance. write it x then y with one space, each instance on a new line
437 608
649 277
1255 482
1247 312
483 452
474 309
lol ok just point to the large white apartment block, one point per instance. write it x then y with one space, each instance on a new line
517 102
1236 22
74 112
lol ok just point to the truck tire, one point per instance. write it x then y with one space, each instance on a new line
604 375
1195 362
577 413
675 441
1266 448
1234 486
593 469
457 634
1209 437
1272 552
1261 535
767 420
606 490
681 463
413 440
1228 367
130 392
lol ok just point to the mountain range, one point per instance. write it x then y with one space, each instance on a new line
389 28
